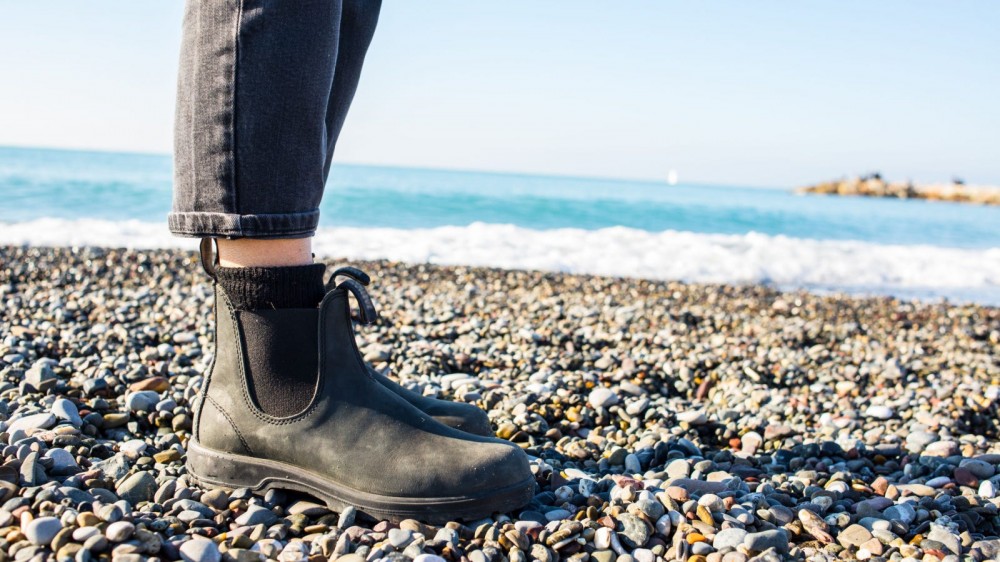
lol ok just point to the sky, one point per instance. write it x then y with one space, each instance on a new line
741 93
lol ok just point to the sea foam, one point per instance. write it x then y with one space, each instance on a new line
917 271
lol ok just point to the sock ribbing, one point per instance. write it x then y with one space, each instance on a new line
256 288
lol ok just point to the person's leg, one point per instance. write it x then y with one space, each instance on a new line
251 140
288 401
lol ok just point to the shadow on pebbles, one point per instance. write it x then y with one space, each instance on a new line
664 421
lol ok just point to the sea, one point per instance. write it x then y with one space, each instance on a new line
691 232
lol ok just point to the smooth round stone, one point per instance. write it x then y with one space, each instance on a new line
428 558
142 401
138 488
41 531
693 417
987 489
558 514
67 410
939 482
62 460
712 502
632 464
643 555
750 442
81 534
663 525
602 397
119 531
879 412
980 469
199 550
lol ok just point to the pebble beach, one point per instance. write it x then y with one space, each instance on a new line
664 421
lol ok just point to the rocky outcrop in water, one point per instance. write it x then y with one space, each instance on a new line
873 185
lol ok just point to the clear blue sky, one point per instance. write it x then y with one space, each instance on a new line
749 93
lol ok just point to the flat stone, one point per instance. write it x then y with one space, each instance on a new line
693 417
941 449
729 538
307 508
980 469
678 468
257 515
917 490
699 486
764 540
34 421
854 536
879 412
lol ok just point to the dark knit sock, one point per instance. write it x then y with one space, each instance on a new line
256 288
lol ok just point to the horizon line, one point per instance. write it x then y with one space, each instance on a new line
648 181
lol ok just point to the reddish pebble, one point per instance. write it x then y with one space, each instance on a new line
965 478
159 384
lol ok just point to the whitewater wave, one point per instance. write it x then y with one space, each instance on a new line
820 265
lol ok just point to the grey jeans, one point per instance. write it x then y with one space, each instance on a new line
263 90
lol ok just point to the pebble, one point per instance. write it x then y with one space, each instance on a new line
41 531
765 540
119 531
138 488
65 410
728 422
602 397
879 412
729 538
200 550
30 422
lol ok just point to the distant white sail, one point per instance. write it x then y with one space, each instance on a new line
672 177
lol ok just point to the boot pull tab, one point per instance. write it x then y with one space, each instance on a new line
368 313
209 256
353 273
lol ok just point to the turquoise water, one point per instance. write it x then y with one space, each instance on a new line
37 183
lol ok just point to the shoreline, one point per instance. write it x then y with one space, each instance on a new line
927 272
665 420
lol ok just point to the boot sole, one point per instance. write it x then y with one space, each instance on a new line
216 469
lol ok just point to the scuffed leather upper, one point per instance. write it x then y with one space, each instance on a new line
355 431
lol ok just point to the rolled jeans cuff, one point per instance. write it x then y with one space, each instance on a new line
228 225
